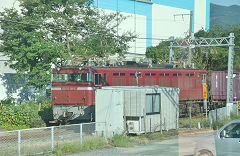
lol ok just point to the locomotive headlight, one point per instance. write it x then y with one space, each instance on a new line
58 68
82 112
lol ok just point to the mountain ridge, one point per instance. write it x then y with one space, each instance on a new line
225 16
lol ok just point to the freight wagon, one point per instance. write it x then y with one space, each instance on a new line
218 87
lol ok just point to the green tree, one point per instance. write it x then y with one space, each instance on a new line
209 58
45 30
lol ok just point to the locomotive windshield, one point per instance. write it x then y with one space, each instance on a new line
75 77
80 77
60 77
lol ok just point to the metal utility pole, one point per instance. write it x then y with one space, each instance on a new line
213 42
117 17
171 55
190 36
230 73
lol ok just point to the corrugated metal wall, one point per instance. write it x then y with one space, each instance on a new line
117 105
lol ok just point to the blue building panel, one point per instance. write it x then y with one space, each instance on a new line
183 4
146 9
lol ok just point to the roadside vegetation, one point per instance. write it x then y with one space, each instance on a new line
193 123
89 143
118 140
29 114
218 124
187 123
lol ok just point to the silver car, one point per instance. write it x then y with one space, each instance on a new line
224 142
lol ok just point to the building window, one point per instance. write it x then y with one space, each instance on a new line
164 74
177 74
119 74
150 74
153 103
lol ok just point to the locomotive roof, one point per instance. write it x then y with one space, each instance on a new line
131 68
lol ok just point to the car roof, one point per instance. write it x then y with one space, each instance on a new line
235 121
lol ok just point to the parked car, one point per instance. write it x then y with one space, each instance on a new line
224 142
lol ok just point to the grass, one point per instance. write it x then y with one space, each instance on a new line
89 143
121 140
193 123
163 135
118 140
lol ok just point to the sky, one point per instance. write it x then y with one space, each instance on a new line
226 2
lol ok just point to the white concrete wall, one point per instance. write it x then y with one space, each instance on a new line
8 4
8 87
164 24
137 25
200 15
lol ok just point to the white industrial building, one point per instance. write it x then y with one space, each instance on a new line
155 20
136 109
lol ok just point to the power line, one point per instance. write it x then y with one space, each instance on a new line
76 31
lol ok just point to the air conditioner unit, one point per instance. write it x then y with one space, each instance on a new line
132 126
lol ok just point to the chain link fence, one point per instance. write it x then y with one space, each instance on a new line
43 140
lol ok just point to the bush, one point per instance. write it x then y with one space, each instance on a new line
25 115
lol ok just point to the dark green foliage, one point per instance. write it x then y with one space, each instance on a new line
159 53
209 58
50 29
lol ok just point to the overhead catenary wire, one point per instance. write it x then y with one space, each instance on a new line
76 31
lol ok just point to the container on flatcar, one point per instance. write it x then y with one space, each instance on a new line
219 85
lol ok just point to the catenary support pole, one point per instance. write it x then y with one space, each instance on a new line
19 142
230 74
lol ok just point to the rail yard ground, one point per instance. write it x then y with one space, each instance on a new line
181 141
183 144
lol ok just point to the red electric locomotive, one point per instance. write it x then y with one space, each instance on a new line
73 87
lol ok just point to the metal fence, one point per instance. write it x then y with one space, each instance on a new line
222 113
43 140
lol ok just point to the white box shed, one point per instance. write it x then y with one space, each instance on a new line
137 109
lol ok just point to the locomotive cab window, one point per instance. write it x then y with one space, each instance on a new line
97 79
60 78
80 77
